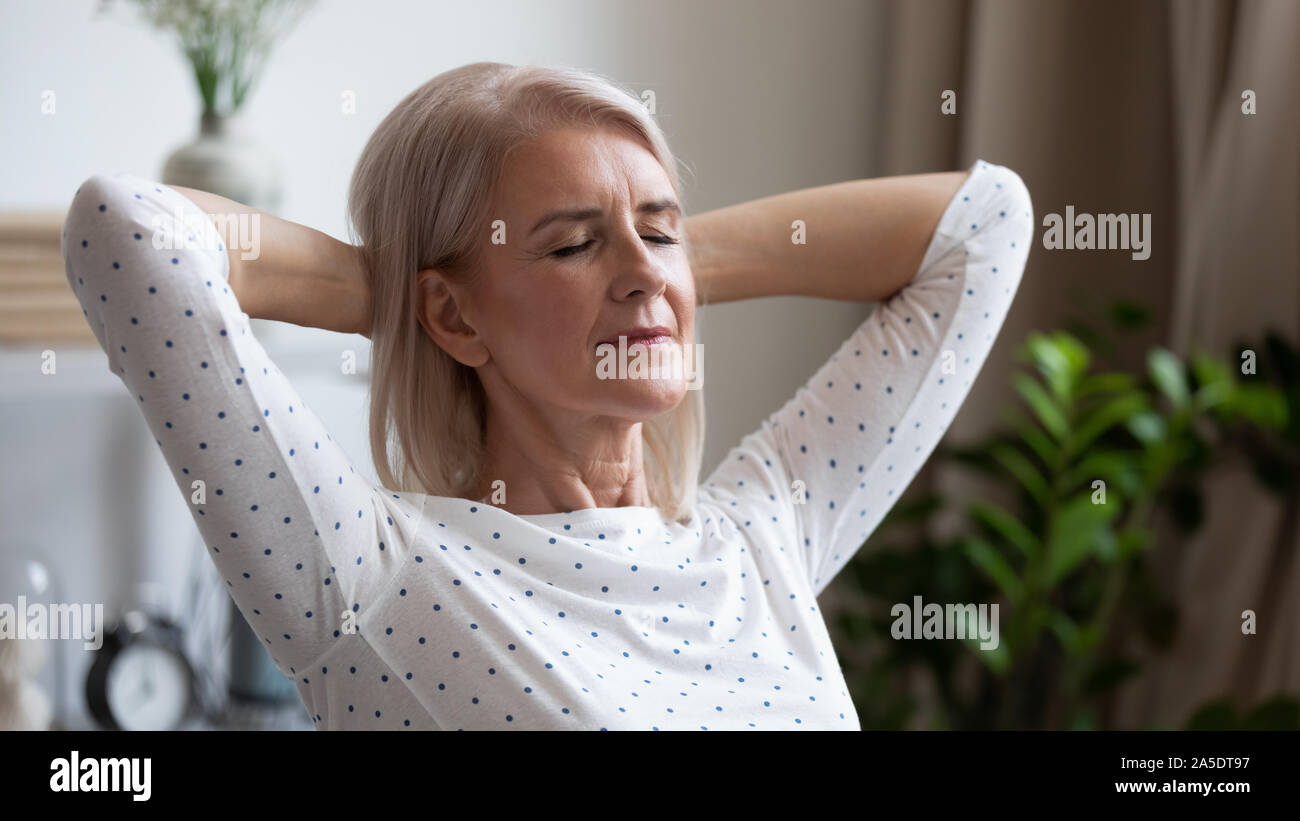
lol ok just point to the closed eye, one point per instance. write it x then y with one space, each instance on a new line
573 250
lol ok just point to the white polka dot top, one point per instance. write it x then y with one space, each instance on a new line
404 611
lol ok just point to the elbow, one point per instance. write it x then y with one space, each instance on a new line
83 235
94 198
95 191
1019 205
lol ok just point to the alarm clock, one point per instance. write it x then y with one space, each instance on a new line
141 678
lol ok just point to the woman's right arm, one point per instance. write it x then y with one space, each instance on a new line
288 272
298 535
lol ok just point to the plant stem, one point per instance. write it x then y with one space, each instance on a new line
1078 670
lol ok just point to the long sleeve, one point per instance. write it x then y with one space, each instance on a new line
297 534
826 468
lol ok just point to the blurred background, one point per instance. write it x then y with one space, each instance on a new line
1172 380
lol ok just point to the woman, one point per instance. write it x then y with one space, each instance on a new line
540 554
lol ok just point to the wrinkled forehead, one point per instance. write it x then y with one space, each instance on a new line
580 167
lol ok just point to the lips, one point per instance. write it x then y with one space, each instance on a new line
649 335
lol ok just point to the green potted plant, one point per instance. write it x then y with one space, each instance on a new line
1088 460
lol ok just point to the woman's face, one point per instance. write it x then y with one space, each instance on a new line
561 283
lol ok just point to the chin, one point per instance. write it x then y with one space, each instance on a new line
626 389
642 400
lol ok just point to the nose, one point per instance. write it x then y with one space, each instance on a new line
638 274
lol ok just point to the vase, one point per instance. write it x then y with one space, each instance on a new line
224 159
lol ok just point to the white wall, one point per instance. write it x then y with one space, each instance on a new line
757 97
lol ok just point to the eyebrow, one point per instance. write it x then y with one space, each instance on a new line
582 214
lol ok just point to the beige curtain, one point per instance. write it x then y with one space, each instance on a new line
1136 107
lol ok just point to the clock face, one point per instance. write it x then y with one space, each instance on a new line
148 688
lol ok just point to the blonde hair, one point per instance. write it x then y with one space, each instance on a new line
419 198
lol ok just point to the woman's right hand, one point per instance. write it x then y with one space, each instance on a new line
288 272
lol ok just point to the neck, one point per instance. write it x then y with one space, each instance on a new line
542 466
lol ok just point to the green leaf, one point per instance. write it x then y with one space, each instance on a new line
1132 540
1005 525
1215 384
1032 435
1020 467
997 659
1065 630
1167 373
1209 370
1107 546
1090 636
1117 467
1043 406
1261 404
1112 412
1075 352
1051 363
1147 427
1090 336
1060 359
987 558
1105 383
1073 638
1073 533
1212 396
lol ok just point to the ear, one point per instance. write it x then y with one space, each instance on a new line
440 312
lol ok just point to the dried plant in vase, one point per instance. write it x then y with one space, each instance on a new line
227 44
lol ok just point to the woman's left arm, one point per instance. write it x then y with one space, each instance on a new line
813 241
825 468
